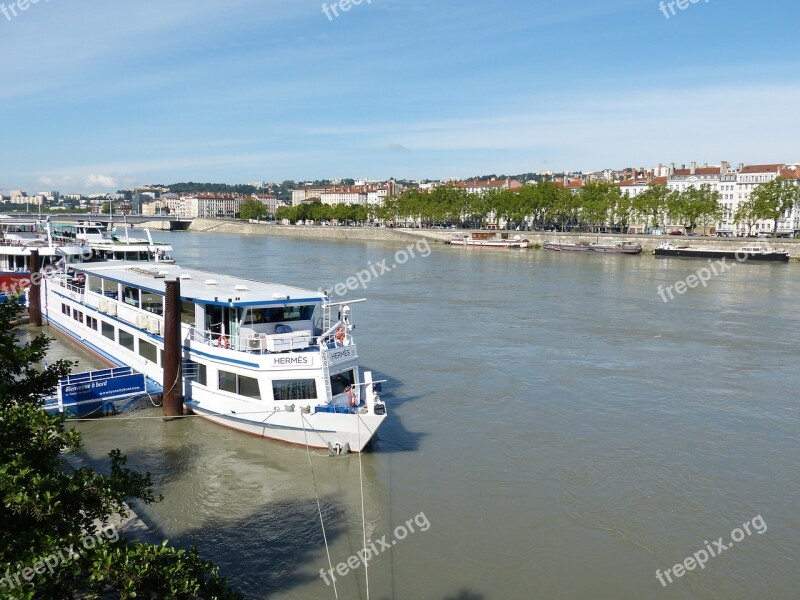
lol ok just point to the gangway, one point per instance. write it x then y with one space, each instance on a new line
99 393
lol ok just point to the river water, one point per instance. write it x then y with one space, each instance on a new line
556 429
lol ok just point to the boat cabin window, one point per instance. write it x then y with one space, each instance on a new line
148 351
110 289
187 312
294 389
194 371
341 381
239 384
95 284
109 331
126 339
152 302
280 314
130 295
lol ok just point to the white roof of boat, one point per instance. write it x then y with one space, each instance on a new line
208 288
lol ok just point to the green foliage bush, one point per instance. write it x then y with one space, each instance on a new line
48 509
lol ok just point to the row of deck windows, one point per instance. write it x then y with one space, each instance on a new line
282 390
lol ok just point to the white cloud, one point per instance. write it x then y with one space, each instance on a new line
100 181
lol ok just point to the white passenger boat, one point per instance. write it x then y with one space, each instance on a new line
262 358
17 239
122 243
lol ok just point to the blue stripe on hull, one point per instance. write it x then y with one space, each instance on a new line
88 345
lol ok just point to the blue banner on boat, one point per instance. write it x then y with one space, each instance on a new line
99 388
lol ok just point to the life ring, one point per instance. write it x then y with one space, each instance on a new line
222 342
340 334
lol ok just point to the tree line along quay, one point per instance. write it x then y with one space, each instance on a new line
594 207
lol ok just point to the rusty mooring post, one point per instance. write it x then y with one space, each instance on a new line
35 291
173 382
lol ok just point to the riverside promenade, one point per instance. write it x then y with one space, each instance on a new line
388 234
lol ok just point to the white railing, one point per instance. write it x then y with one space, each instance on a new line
262 343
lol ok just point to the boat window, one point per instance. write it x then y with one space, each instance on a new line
195 372
94 284
130 295
110 289
227 382
239 384
279 314
152 302
108 331
248 386
126 339
341 381
91 322
294 389
148 351
187 312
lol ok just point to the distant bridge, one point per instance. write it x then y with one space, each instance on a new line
175 224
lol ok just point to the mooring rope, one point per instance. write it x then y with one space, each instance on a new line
363 513
319 508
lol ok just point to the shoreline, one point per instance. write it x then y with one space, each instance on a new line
387 234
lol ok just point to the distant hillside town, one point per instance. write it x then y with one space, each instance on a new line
720 199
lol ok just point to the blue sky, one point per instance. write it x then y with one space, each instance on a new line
98 95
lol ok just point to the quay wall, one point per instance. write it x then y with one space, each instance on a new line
648 242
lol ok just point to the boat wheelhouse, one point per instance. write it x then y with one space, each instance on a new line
118 244
267 359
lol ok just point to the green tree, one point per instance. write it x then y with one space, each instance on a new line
746 214
597 200
622 212
47 508
253 209
695 206
286 212
774 199
651 204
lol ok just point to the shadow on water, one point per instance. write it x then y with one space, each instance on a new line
393 435
272 545
466 595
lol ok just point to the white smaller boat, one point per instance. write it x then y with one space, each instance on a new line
118 244
490 240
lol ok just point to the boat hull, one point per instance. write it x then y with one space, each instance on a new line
605 250
317 430
723 254
567 247
522 244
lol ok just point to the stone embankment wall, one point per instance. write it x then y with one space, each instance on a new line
154 225
648 242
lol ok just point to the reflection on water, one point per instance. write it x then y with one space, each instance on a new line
565 431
